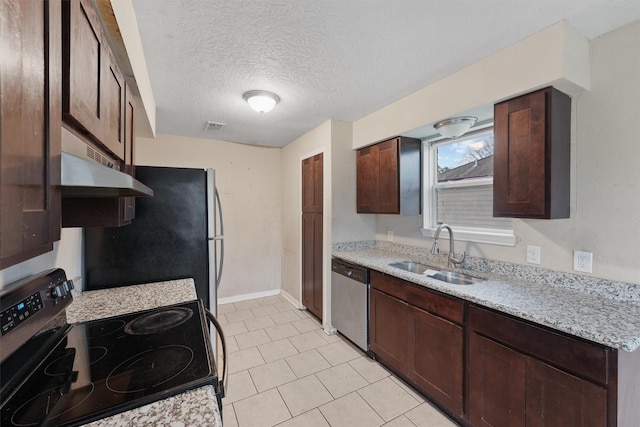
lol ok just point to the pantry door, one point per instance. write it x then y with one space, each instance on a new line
312 234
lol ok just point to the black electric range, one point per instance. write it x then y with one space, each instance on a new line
73 374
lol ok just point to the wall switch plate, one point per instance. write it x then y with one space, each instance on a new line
583 261
390 235
533 254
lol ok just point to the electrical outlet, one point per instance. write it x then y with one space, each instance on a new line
583 261
390 235
533 254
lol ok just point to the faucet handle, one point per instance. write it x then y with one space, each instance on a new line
457 260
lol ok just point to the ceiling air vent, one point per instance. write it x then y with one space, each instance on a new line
214 126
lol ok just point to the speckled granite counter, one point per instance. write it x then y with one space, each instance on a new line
606 314
193 407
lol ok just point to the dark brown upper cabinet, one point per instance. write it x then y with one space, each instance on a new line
312 184
30 85
531 177
389 177
93 85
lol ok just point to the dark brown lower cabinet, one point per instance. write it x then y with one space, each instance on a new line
411 332
388 329
436 357
507 388
523 375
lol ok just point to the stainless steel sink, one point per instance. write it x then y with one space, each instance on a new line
435 273
456 278
413 267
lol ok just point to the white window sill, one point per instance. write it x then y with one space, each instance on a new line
491 237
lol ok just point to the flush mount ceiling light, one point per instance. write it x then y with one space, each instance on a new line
261 101
455 126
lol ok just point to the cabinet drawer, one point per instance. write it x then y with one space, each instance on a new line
442 305
571 354
387 284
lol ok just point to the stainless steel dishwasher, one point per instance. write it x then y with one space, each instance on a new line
350 301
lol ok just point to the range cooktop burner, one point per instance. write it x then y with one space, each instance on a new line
47 406
149 369
152 323
108 327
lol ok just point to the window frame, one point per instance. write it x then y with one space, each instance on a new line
492 236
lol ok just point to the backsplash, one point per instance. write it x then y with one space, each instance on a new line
620 291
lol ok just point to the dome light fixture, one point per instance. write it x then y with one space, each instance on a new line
455 126
261 101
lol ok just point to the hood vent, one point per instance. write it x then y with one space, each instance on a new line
84 178
88 173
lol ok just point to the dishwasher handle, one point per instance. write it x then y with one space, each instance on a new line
352 271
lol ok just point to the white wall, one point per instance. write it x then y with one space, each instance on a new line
347 225
558 55
66 254
605 175
248 179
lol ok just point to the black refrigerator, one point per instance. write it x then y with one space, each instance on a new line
176 234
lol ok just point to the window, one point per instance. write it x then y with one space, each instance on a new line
459 189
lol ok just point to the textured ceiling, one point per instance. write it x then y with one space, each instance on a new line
340 59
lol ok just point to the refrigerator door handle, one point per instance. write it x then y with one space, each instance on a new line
219 237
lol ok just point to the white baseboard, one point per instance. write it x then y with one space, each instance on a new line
253 295
291 299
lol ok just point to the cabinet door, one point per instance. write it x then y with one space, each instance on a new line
436 357
312 184
556 398
114 107
531 156
312 263
30 73
388 177
388 328
84 71
129 203
367 179
496 384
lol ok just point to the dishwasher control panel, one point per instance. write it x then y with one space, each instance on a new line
355 272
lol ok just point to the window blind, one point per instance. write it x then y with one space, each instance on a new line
469 207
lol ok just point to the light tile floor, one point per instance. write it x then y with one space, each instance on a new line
284 370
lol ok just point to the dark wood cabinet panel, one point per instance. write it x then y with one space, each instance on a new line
30 83
389 177
114 107
84 68
420 346
388 330
436 357
521 374
531 177
312 185
312 263
129 203
586 359
496 384
556 398
93 84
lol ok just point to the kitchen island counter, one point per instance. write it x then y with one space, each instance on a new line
605 313
193 407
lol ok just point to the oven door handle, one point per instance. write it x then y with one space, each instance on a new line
216 324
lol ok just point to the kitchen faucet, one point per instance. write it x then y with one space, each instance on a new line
452 255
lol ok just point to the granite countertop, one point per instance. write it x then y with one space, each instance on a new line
592 315
194 407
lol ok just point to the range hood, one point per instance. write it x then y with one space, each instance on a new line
88 173
84 178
